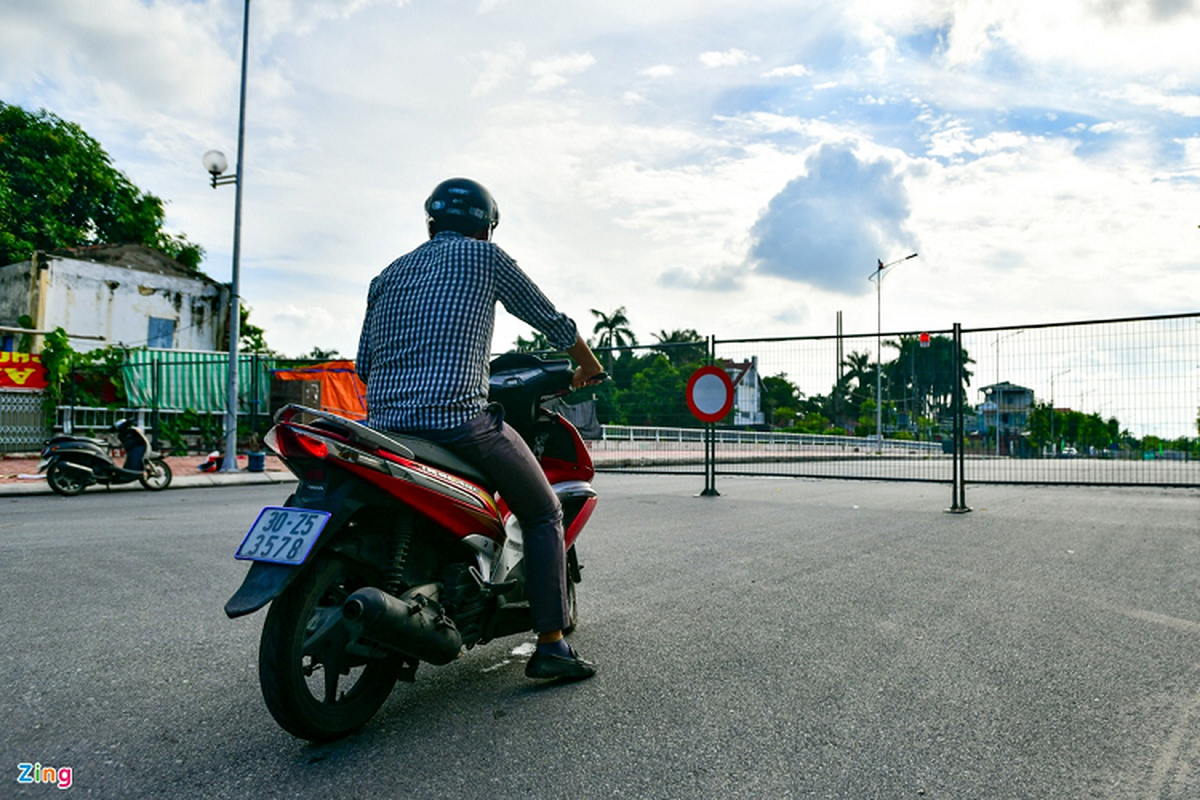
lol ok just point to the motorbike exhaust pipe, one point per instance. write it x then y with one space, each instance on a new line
412 624
77 469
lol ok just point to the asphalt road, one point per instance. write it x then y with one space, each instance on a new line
790 638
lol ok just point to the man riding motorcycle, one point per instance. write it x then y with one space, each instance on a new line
423 354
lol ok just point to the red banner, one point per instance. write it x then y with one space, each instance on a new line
21 371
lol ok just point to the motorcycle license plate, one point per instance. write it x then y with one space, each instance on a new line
282 535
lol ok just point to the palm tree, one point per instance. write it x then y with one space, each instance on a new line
614 332
926 374
681 347
537 343
856 386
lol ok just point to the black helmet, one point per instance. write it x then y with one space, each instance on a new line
462 205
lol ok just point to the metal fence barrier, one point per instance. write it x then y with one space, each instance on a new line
1106 403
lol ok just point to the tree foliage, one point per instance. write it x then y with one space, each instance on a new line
613 331
536 343
656 396
681 346
251 338
59 189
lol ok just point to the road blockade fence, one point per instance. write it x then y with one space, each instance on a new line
1106 402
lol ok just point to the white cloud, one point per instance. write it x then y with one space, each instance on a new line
497 66
136 59
1185 105
1116 39
303 17
793 71
658 71
1037 145
554 72
727 58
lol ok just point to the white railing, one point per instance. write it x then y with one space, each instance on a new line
643 434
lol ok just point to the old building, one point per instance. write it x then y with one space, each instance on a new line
1004 415
128 295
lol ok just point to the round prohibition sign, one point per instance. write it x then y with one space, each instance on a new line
709 394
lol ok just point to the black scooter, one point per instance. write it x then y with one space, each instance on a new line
73 463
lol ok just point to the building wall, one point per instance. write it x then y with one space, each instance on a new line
14 292
122 304
747 396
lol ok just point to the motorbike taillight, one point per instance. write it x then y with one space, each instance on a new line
293 444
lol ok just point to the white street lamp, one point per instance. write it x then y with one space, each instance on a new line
877 276
215 163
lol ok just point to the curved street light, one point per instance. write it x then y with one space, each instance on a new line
877 276
216 164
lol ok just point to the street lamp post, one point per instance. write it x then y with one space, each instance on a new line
215 163
877 276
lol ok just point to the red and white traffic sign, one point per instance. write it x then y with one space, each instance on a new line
709 394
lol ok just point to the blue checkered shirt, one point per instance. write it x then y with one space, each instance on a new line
427 334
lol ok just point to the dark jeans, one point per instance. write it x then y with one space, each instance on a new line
502 455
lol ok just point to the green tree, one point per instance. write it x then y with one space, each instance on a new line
681 347
656 396
613 331
1037 422
321 354
59 189
922 379
537 343
251 338
780 399
855 388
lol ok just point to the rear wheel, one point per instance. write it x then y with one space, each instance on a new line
573 577
63 481
313 688
157 475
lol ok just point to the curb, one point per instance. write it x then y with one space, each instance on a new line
204 481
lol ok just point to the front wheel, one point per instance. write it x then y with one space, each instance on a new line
313 688
64 481
157 475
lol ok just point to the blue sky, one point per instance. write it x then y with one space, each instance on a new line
734 168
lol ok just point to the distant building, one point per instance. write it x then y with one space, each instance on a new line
114 294
747 391
1005 409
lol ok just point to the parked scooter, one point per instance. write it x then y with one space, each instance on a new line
394 551
73 463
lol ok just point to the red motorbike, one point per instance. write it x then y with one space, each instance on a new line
394 551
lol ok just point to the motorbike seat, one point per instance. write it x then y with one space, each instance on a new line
68 437
435 455
400 444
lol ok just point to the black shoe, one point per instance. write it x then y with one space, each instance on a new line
550 666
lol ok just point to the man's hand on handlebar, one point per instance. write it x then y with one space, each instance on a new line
589 371
579 380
